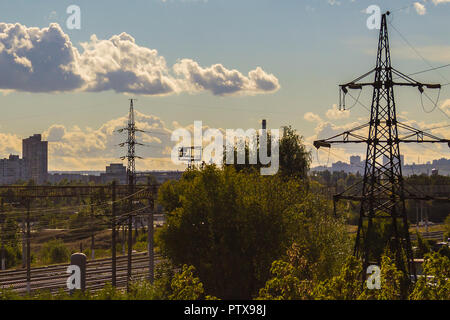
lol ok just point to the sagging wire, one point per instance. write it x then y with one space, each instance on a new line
356 101
435 104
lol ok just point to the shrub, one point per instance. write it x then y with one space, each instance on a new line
54 251
13 256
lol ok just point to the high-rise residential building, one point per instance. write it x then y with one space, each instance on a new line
35 155
12 170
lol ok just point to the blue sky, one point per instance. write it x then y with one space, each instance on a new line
308 46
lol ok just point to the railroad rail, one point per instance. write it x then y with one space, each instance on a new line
98 273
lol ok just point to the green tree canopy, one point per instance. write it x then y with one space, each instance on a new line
232 225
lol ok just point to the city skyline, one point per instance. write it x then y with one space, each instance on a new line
282 64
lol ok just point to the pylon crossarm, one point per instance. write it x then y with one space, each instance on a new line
414 82
353 84
343 138
420 136
130 143
424 141
388 199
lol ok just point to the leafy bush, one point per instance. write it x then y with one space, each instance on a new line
435 282
186 286
54 251
13 256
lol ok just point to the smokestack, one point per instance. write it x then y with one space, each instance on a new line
263 124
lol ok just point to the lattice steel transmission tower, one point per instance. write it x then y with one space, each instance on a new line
382 192
131 177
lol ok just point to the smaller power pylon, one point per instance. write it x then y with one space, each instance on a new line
190 154
131 177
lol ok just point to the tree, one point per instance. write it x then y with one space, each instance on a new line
186 286
292 279
422 246
345 286
447 227
232 225
434 284
10 232
322 236
294 158
392 283
285 285
54 251
349 285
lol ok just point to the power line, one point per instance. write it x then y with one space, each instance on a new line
357 101
418 53
101 204
403 8
431 69
435 105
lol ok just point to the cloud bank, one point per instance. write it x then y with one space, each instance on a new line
75 148
45 60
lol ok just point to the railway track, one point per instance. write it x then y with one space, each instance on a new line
98 273
432 235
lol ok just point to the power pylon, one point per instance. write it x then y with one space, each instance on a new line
383 192
191 154
131 177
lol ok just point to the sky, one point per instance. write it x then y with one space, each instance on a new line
226 63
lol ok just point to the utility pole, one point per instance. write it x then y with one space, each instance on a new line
417 218
122 239
92 232
383 192
24 246
3 262
131 177
150 234
28 247
113 234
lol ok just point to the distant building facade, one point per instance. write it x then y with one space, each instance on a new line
440 166
115 171
35 155
33 165
13 169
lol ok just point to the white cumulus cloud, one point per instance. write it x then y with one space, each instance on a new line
335 114
37 60
222 81
420 8
312 117
45 60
